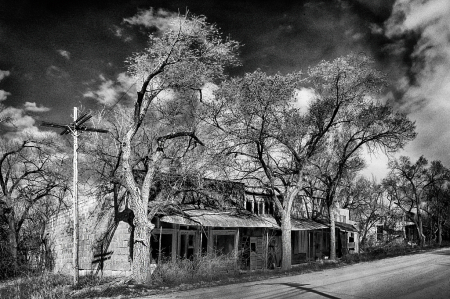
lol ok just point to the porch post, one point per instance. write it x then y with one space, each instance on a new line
236 247
210 242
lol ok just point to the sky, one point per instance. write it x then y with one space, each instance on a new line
55 55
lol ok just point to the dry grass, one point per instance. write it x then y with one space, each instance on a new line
202 268
172 276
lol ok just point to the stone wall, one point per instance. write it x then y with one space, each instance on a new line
103 244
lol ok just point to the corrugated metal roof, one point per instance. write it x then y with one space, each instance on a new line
234 219
346 226
306 224
221 219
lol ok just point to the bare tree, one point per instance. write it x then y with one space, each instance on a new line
178 63
275 140
31 176
365 199
407 185
438 198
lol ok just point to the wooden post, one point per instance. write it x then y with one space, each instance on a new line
236 248
75 200
159 245
75 128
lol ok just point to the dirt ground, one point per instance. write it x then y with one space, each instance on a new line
424 275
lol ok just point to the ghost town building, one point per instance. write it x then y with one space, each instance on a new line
204 216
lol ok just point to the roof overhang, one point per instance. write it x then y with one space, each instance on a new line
212 218
306 224
345 227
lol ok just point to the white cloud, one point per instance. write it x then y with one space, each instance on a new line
56 72
160 19
208 91
35 133
64 53
303 98
18 119
428 98
4 95
109 92
120 32
4 74
32 107
21 126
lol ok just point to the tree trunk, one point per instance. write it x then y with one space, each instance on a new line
420 231
141 253
12 234
332 234
439 232
286 248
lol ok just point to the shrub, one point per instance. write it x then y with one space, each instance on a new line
200 268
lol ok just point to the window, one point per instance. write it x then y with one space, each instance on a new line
351 237
379 232
224 241
248 205
187 245
163 251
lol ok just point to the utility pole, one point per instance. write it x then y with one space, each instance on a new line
75 128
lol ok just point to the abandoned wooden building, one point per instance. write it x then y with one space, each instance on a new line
216 218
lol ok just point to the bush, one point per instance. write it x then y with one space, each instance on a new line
201 268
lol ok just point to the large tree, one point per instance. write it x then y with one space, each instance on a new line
275 137
171 72
369 125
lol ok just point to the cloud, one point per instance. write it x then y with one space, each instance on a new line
32 107
4 74
64 53
57 73
160 19
4 95
109 92
18 119
120 32
34 133
21 125
304 97
427 95
208 92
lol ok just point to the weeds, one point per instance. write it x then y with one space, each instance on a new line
200 268
43 286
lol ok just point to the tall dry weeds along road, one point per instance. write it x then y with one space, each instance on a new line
424 276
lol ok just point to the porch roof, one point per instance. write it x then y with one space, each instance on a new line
346 226
216 218
221 219
306 224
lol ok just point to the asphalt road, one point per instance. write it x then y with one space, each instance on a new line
425 275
